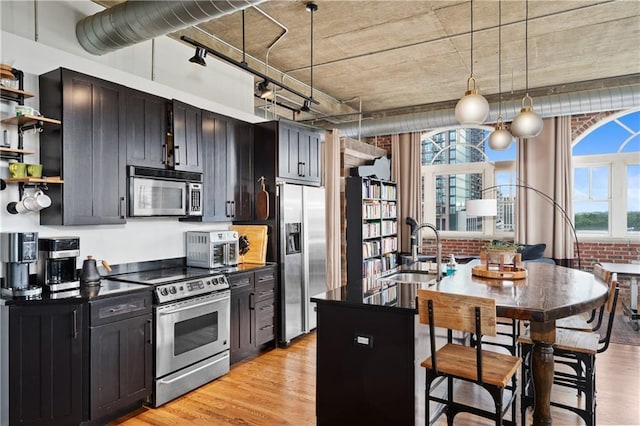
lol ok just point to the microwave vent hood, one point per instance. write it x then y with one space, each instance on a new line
135 171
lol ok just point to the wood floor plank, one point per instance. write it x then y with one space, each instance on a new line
278 388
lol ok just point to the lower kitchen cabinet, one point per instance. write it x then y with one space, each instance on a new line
121 355
252 311
45 364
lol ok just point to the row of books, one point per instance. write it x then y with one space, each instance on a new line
371 229
371 210
371 248
389 244
374 267
389 210
372 189
389 227
388 192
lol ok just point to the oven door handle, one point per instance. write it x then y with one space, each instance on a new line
197 305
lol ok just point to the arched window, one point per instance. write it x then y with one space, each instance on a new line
606 177
457 163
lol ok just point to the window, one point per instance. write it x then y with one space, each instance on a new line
606 177
458 164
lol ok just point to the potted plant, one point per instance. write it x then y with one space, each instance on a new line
501 252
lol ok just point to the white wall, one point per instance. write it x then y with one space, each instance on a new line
218 87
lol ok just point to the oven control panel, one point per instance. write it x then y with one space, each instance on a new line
189 288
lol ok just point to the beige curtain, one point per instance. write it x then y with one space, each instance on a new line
544 163
405 170
332 196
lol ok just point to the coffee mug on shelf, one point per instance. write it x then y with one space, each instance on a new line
34 170
17 170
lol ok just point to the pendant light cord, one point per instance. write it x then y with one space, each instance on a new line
526 45
312 53
471 2
499 58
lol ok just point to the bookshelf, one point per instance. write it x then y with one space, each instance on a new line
372 233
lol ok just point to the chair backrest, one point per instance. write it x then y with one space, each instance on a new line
457 312
602 273
613 297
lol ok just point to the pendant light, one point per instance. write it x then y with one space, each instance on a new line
527 124
500 139
472 108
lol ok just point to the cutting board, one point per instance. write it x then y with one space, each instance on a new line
257 236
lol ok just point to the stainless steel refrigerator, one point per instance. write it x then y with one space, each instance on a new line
302 257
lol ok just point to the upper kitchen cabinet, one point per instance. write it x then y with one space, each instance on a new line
88 150
294 149
145 129
185 137
228 168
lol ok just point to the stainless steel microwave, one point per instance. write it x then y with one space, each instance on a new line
158 192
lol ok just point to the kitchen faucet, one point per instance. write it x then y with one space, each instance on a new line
414 241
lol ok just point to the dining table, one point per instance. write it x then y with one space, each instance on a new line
629 308
546 294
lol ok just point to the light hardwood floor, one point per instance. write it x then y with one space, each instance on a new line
278 388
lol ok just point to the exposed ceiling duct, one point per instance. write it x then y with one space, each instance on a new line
133 22
605 99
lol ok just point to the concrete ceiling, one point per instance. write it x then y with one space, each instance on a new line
398 57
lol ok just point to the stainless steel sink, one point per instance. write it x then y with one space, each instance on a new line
417 277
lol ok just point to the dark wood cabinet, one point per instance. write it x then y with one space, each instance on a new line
45 364
365 365
88 150
288 152
145 129
242 341
186 137
252 311
121 355
298 153
228 168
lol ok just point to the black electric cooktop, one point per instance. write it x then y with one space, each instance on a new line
166 275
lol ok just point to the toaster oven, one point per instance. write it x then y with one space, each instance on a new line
212 249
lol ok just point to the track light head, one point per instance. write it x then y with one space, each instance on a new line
198 58
264 91
306 106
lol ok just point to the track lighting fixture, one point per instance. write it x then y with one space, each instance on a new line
306 106
472 108
198 58
264 91
311 8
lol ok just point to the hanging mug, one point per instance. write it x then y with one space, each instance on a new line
42 200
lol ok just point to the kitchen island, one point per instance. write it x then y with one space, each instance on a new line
369 349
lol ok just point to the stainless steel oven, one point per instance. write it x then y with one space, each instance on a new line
192 328
189 335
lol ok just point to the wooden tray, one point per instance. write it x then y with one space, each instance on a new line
257 236
508 272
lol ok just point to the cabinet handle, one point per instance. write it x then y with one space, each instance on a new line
233 209
176 155
164 153
150 324
75 324
300 165
227 209
304 169
123 207
252 301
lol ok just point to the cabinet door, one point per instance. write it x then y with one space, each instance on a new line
289 165
313 157
121 365
145 129
240 171
187 137
242 340
93 151
216 205
45 364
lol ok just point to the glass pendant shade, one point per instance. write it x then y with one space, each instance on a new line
500 139
472 108
527 124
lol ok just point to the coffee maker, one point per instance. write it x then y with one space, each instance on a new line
17 251
57 268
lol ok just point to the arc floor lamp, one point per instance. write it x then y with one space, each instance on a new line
489 207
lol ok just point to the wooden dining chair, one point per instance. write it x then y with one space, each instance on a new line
584 322
491 370
577 350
